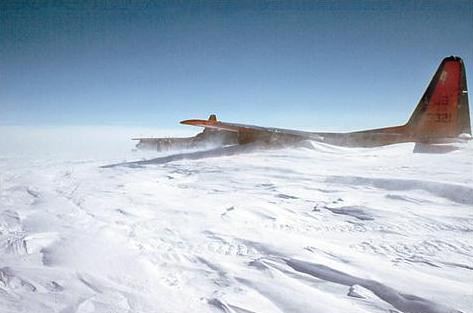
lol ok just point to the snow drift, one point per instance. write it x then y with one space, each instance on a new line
311 229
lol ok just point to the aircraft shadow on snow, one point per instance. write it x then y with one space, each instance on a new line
216 152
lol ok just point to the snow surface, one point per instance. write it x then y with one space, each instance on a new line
315 228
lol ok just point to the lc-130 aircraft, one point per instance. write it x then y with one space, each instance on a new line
441 116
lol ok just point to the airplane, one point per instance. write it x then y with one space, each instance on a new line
441 116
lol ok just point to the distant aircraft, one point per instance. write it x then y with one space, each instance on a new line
442 116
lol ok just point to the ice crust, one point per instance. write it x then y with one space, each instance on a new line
315 228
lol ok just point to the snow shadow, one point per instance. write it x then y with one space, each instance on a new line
404 302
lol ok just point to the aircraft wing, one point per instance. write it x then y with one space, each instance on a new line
281 136
256 131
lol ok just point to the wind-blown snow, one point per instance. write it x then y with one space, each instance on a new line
310 229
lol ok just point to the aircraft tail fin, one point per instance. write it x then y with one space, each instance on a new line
443 110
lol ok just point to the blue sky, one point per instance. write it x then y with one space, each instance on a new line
315 65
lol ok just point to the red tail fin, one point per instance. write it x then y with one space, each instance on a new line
443 110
